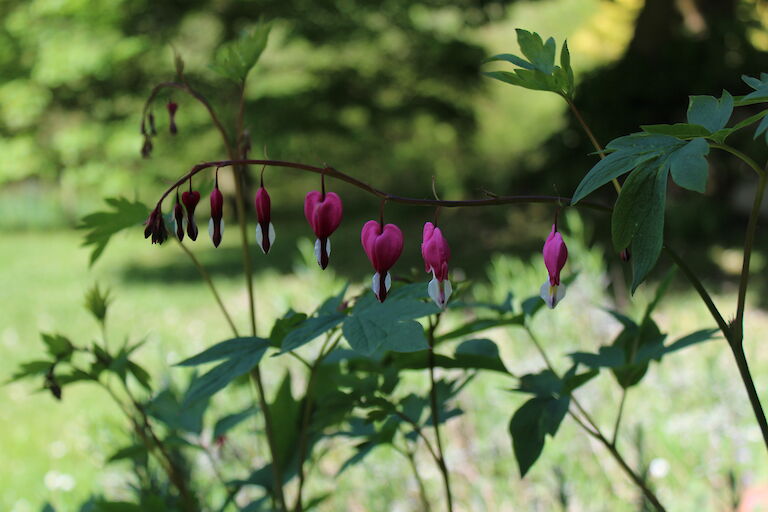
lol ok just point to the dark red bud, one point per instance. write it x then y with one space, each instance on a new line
155 226
146 148
190 200
178 216
152 129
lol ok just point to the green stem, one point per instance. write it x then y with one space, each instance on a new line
749 385
741 156
618 416
207 278
592 429
436 414
409 454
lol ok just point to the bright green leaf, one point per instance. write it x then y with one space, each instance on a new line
101 226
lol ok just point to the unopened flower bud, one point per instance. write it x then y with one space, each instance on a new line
265 232
172 107
216 224
383 246
555 255
178 218
190 200
436 254
155 227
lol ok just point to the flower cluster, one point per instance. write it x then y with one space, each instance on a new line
146 147
382 243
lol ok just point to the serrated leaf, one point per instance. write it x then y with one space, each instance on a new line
709 112
540 54
689 165
101 226
565 64
30 369
58 345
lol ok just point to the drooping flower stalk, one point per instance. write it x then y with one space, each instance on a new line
383 245
436 254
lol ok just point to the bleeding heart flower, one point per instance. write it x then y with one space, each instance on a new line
178 218
190 200
216 224
323 212
436 254
383 246
555 254
264 226
156 227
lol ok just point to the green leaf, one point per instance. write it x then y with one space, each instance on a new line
310 329
242 357
679 130
632 206
479 354
283 326
169 408
760 88
234 60
628 152
689 165
540 54
225 350
480 324
565 64
227 423
375 327
543 384
97 302
134 452
30 369
101 226
649 238
709 112
512 59
531 423
762 128
58 345
141 375
286 416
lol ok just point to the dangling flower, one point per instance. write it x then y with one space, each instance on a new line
323 212
383 246
216 224
555 254
265 232
190 199
178 217
172 107
156 227
436 254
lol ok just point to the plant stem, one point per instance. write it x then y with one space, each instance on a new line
409 454
741 156
207 278
436 413
333 173
592 429
749 385
255 373
306 415
618 416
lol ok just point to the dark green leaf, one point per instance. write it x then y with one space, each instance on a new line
540 54
709 112
140 374
607 357
512 59
134 452
573 381
239 363
31 369
649 238
101 226
283 326
97 302
679 130
310 329
531 423
286 416
480 324
565 64
479 354
58 345
230 421
762 128
607 169
689 165
633 205
543 384
226 349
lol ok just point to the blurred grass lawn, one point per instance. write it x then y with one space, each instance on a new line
694 413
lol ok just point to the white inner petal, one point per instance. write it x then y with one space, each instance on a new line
434 291
317 251
448 289
271 234
328 247
210 228
388 281
259 236
552 295
375 284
